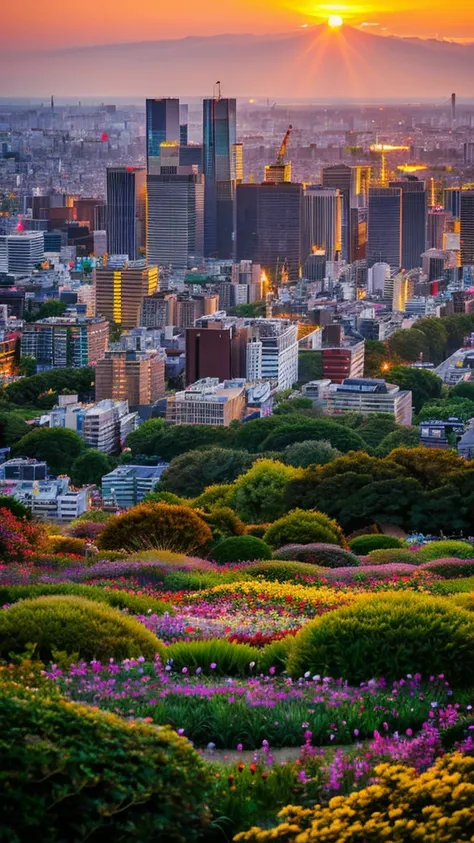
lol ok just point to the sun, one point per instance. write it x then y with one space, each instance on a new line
334 21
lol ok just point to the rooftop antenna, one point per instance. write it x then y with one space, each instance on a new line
217 90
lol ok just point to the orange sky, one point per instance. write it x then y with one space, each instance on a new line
52 23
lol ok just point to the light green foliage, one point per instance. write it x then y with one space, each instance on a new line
259 494
303 527
240 549
309 452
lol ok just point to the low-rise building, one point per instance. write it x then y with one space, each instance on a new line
366 395
207 402
127 485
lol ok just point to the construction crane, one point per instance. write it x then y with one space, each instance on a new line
279 171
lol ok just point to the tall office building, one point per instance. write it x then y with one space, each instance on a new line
353 182
269 217
220 137
217 351
175 224
436 228
120 290
322 222
162 126
384 241
452 201
467 227
21 252
126 211
134 376
414 209
183 124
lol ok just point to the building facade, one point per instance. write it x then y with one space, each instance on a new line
126 211
120 291
175 220
414 211
162 126
65 341
467 227
134 376
207 402
21 252
384 233
219 139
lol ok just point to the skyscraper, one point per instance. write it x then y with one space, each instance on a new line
414 209
120 290
452 200
322 221
219 128
269 227
467 227
175 228
21 252
384 240
162 125
353 182
436 227
126 211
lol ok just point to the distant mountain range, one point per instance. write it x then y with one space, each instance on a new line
315 63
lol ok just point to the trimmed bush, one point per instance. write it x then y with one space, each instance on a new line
282 571
362 545
159 525
74 626
303 526
401 806
19 538
224 522
389 635
324 555
67 544
393 556
71 772
449 568
219 494
446 549
257 530
240 549
88 530
136 604
276 654
214 657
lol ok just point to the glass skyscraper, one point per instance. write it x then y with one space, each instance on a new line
384 239
126 211
220 135
162 125
414 209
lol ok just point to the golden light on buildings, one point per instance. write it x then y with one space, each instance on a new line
385 367
335 21
386 147
411 168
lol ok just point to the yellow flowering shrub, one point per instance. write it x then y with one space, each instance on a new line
435 807
266 592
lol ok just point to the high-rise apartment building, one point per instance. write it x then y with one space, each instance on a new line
452 201
436 228
217 351
467 227
219 160
269 217
353 183
21 252
134 376
322 222
414 208
162 126
126 211
175 225
120 291
159 310
384 241
65 341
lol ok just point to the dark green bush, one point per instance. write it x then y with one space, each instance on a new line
197 580
325 555
240 549
70 773
389 635
136 604
156 525
362 545
229 659
302 526
74 626
67 544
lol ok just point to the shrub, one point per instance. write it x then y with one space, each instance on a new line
68 544
75 626
18 538
449 568
276 654
257 530
400 806
388 635
445 549
309 452
88 530
304 527
134 603
213 657
241 549
163 497
196 580
464 601
72 772
362 545
159 525
392 556
57 561
282 571
224 522
258 495
325 555
217 495
99 516
17 509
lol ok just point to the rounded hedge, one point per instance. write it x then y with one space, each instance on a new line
303 526
74 626
444 549
324 555
240 549
71 772
362 545
276 571
137 604
388 635
67 544
393 556
156 525
450 568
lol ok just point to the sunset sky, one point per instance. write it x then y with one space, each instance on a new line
52 23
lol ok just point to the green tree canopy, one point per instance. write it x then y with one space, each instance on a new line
57 446
52 307
28 390
375 427
436 336
309 452
402 437
428 465
461 408
258 495
193 471
27 366
144 439
376 354
408 344
383 501
423 384
298 430
464 389
310 366
12 428
89 468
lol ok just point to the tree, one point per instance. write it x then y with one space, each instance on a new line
258 495
28 390
310 366
457 328
375 427
409 344
326 495
192 472
27 366
18 509
309 452
168 442
89 468
144 439
442 510
298 430
52 307
57 446
12 428
158 525
428 465
402 437
296 405
464 389
437 338
383 501
254 309
461 408
423 384
376 354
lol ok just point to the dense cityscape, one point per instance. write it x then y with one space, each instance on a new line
237 467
